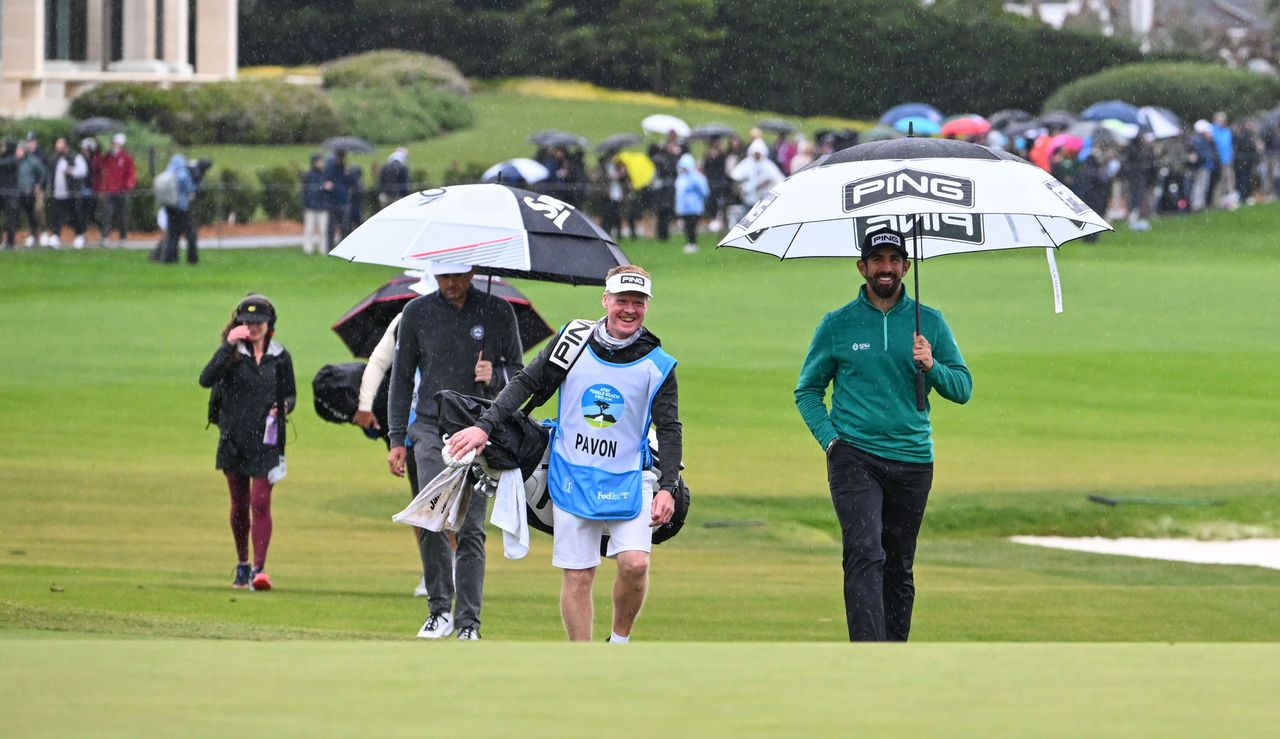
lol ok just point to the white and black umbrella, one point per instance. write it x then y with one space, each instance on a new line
662 123
947 196
501 230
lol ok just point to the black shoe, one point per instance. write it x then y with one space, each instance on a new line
244 573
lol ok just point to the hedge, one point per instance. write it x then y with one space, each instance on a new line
394 68
395 115
1191 90
249 112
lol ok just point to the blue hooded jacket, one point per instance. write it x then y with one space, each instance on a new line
692 189
186 184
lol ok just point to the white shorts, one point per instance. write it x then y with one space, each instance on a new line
576 542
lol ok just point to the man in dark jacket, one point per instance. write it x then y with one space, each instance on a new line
315 208
10 156
598 474
337 186
457 338
393 178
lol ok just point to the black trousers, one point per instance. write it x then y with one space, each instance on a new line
179 226
880 504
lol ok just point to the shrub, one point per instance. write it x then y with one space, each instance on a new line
250 112
394 68
386 115
281 192
1192 90
126 101
223 193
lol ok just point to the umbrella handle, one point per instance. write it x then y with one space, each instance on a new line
922 389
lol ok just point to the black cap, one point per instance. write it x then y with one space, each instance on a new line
883 239
255 310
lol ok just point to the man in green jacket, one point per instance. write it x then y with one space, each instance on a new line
879 447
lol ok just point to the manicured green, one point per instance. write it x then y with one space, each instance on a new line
109 688
1157 381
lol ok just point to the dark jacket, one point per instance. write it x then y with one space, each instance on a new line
313 194
9 170
444 343
336 172
393 179
248 392
541 378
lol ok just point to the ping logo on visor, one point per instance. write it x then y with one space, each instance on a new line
629 282
886 239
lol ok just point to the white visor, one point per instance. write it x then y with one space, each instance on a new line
629 282
449 268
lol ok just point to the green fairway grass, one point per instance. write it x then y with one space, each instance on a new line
109 688
1157 381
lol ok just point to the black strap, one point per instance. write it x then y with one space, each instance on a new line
281 411
569 346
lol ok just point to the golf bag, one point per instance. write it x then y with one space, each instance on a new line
336 393
521 441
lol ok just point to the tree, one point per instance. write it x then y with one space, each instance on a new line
659 44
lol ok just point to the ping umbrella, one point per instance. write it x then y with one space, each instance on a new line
502 230
947 196
363 326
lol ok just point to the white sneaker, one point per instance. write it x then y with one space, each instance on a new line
468 633
437 626
29 241
44 240
421 590
690 248
54 241
714 225
78 242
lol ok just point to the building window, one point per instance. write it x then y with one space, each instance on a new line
65 30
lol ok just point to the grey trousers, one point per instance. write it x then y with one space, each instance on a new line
447 578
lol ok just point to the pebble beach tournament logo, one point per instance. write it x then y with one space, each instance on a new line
602 405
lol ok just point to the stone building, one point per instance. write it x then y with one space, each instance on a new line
52 50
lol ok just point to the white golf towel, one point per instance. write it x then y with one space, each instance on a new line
438 505
508 514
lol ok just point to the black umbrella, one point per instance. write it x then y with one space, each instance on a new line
1057 119
353 144
1003 118
711 131
363 326
96 125
618 142
553 137
776 125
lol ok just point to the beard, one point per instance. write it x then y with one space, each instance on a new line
882 291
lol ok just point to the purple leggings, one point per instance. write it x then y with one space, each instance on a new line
250 499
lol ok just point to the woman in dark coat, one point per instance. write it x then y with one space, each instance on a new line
247 374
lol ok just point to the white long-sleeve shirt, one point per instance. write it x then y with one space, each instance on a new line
78 169
379 364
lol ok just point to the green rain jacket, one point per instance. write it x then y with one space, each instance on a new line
867 353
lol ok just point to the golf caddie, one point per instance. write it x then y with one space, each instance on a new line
599 474
879 447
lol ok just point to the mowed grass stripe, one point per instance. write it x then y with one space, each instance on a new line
108 688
